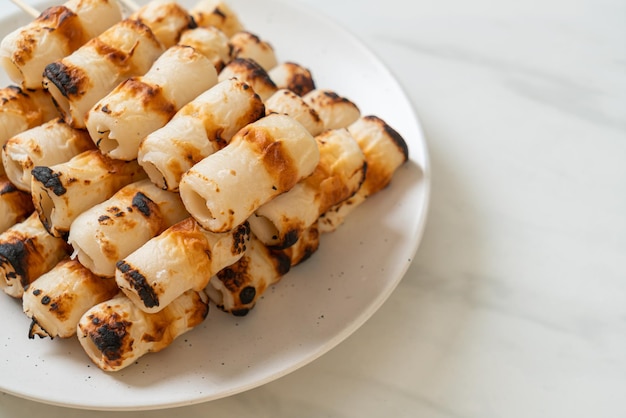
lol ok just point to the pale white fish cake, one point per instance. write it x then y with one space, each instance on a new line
287 102
216 13
183 257
15 204
200 128
292 76
23 109
210 42
109 231
27 251
54 34
248 45
50 143
335 111
264 159
337 177
79 80
252 73
385 151
140 105
166 19
63 191
116 333
57 300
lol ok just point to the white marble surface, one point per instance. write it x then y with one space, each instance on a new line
515 305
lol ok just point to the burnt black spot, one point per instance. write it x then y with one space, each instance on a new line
240 312
37 292
219 13
241 235
60 76
45 300
16 254
36 329
138 282
49 179
247 295
290 238
142 203
283 262
109 339
8 188
192 23
105 109
103 219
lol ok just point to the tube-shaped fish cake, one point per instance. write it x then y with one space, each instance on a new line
27 251
334 110
62 192
58 299
216 13
305 246
264 159
51 143
238 287
287 102
210 42
115 333
111 230
183 257
166 19
339 174
55 33
385 151
252 73
141 105
78 81
245 44
23 109
292 76
15 204
200 128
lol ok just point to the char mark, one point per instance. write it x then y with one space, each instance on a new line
139 283
16 254
60 75
109 338
49 179
142 203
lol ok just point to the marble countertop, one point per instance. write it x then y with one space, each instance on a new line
515 304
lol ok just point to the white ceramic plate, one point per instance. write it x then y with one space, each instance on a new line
315 307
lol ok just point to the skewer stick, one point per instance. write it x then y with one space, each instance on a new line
26 8
129 5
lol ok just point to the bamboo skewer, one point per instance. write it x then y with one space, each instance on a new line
26 8
129 5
